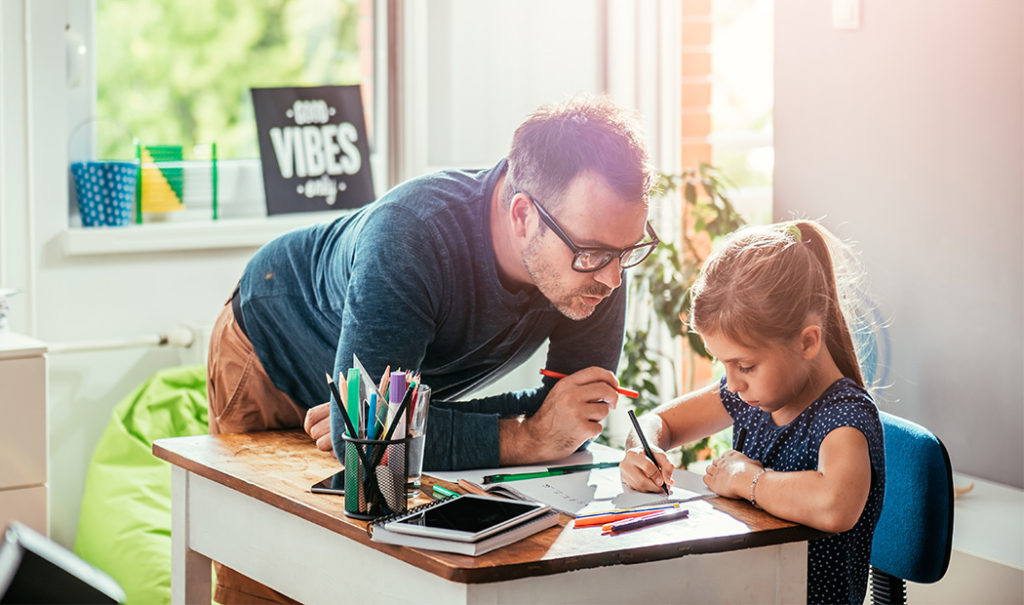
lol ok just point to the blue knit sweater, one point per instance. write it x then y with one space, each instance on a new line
410 281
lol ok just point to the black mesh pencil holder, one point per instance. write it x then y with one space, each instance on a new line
377 487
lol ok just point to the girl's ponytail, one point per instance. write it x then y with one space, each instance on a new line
838 338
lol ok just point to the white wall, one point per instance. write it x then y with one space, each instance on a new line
907 136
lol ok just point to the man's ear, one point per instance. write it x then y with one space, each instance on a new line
522 215
810 341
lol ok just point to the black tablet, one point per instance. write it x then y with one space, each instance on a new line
466 518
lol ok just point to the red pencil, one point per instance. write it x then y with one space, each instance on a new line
613 517
623 390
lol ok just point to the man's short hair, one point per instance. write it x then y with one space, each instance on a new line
585 134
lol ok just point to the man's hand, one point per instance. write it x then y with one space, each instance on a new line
570 415
318 425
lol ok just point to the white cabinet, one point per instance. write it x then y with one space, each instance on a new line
987 564
23 431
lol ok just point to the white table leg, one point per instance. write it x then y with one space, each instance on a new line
190 571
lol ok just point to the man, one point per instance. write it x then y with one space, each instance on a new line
461 275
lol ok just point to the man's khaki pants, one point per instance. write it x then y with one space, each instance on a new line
242 399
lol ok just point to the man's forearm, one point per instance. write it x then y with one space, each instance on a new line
523 441
513 445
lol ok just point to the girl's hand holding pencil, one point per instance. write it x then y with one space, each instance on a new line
639 473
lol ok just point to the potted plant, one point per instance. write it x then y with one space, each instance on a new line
662 284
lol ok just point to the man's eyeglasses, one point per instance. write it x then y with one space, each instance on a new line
588 260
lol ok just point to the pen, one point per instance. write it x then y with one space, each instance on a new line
647 448
550 472
623 390
371 417
444 491
613 517
741 436
353 404
638 522
397 390
583 467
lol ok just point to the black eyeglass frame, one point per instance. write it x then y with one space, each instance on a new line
577 251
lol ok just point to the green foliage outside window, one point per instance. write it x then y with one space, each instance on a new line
179 71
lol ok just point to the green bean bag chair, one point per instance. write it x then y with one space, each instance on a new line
124 527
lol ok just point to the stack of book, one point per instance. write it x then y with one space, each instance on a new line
469 525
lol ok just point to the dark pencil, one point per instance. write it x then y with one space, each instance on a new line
348 423
638 522
647 448
341 407
741 436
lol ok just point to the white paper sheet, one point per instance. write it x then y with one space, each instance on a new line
588 491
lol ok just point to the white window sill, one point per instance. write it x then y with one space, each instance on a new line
192 235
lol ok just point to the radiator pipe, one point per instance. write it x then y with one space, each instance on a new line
178 337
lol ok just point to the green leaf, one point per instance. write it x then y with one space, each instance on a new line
690 193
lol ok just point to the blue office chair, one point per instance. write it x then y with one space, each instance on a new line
914 535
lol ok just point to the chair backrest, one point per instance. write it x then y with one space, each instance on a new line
914 535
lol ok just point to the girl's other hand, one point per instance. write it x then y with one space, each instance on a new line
639 473
729 475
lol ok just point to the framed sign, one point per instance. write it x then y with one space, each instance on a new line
313 148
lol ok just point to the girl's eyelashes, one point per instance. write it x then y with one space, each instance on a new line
744 369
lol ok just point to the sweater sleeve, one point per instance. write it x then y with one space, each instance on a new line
465 434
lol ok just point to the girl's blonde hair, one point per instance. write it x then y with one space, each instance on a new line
766 282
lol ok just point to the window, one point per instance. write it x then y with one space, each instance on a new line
742 92
178 72
727 103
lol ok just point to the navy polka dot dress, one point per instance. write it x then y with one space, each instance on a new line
837 566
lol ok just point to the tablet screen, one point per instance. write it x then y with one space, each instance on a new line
467 518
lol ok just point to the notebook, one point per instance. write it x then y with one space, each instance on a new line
380 532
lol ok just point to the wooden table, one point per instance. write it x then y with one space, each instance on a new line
244 500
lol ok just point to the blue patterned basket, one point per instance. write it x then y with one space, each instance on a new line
106 192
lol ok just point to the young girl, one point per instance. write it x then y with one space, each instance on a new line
807 438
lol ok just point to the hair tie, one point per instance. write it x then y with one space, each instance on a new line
794 230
